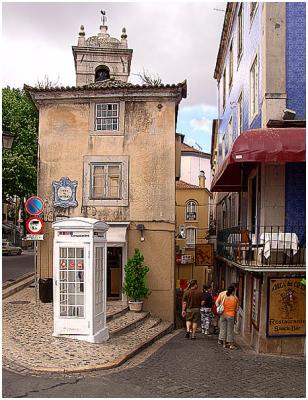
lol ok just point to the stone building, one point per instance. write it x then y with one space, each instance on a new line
258 163
113 143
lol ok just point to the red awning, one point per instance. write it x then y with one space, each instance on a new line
265 145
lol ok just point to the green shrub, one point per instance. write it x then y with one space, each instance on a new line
135 278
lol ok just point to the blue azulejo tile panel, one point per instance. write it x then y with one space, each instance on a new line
295 199
296 58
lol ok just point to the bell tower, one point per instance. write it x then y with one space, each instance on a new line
101 57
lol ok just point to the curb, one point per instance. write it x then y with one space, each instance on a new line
19 284
129 327
99 367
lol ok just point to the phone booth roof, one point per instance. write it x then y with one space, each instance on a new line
80 223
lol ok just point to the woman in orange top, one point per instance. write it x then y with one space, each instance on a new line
228 318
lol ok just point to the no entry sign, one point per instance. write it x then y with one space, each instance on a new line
35 205
34 225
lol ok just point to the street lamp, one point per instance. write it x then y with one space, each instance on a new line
7 139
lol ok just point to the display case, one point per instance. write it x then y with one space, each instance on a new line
79 276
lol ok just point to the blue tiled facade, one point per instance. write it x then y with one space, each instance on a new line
252 31
295 199
296 58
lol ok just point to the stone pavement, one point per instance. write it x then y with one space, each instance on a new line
178 368
28 343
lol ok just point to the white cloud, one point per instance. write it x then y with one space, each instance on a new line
202 124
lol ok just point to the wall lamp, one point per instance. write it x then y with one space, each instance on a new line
7 139
140 227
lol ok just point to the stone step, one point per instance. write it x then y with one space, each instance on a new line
116 309
122 323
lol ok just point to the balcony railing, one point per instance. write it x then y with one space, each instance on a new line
265 246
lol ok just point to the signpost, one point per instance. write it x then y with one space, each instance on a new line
34 225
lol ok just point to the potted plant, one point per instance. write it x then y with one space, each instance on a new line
134 281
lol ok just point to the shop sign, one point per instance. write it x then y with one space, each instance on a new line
286 314
204 254
64 193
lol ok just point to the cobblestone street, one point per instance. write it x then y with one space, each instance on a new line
179 368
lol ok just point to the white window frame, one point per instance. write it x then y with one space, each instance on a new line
107 178
240 33
254 88
252 12
223 146
120 112
231 67
240 114
230 133
224 89
103 115
191 206
191 235
88 199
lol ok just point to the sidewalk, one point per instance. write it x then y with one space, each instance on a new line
28 343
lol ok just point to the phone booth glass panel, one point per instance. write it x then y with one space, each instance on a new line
80 279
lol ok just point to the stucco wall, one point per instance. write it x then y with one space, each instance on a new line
149 144
191 167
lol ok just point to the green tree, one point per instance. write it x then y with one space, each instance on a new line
19 164
135 277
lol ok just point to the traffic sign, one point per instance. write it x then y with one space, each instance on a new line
35 205
35 225
34 237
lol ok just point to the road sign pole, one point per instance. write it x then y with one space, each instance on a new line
35 268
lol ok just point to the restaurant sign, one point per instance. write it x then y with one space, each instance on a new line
204 254
286 314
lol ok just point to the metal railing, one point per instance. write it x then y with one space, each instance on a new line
263 246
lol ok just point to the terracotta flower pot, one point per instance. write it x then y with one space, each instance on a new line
135 306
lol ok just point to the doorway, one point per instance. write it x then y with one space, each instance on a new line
114 272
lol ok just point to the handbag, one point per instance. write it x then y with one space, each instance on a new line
220 308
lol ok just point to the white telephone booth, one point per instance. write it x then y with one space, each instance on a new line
79 276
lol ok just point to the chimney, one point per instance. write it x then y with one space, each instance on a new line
202 179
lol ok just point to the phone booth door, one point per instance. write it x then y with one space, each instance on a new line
71 307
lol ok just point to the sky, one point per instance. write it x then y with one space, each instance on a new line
176 40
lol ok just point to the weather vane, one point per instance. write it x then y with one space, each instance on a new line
103 18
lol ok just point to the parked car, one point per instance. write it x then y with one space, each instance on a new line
8 249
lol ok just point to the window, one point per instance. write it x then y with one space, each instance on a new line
105 181
230 133
240 115
224 89
223 147
191 210
99 280
191 236
253 7
231 66
107 117
240 33
254 87
72 298
101 74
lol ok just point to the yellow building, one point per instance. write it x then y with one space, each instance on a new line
107 150
194 254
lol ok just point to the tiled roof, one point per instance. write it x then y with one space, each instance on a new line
185 185
185 148
109 84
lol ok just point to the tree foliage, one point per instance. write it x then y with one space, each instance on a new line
19 164
135 277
